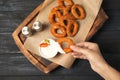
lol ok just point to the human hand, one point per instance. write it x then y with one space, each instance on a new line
91 52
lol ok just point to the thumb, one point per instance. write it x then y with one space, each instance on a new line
77 49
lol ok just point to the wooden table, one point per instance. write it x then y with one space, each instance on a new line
13 64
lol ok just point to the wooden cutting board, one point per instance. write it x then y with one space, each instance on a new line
38 61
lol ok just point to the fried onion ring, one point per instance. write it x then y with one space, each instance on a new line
69 41
72 28
55 28
78 11
64 20
65 2
60 9
69 13
54 17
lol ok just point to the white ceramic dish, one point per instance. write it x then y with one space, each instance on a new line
51 50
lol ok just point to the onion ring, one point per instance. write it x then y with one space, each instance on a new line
65 21
55 28
79 15
63 2
60 9
69 13
72 28
69 41
54 17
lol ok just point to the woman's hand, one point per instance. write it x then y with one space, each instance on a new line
91 52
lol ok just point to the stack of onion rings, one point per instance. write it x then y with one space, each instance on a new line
63 18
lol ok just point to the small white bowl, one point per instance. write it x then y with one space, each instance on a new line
51 50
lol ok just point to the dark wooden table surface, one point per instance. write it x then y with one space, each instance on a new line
13 64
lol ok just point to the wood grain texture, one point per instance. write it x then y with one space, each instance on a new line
14 66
